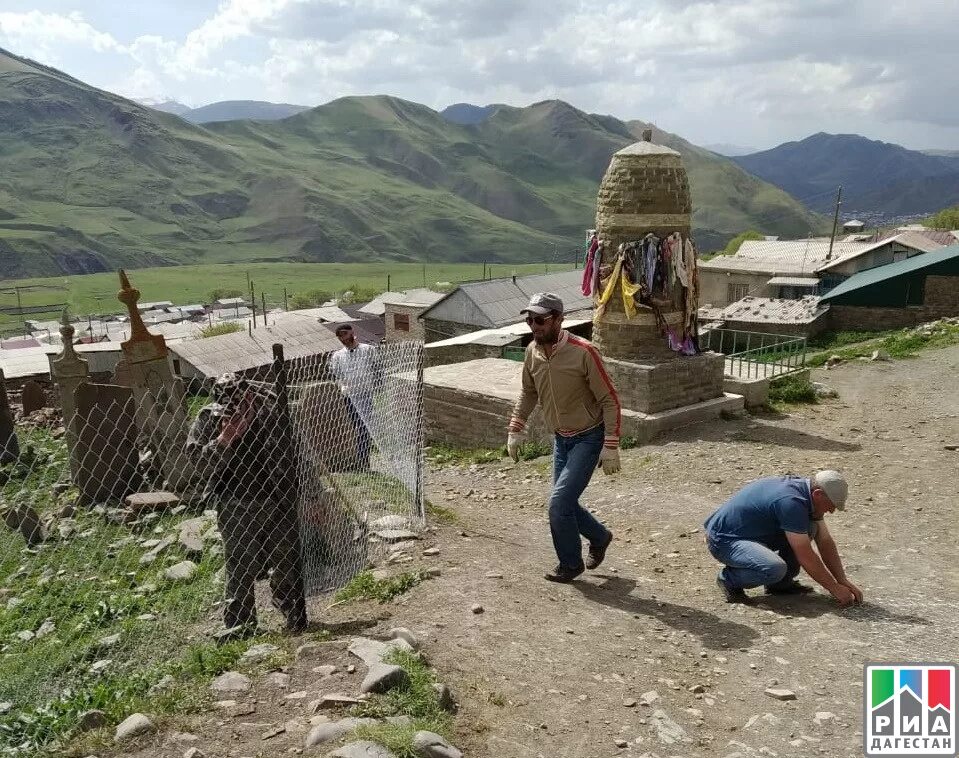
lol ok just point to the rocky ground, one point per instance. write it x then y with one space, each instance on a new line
642 657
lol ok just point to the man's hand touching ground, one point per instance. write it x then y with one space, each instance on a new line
843 595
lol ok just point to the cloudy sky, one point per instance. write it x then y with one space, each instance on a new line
747 72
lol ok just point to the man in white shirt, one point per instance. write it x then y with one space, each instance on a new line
357 370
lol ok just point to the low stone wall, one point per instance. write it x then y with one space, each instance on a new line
438 356
684 380
854 317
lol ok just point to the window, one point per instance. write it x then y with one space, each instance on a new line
401 322
735 292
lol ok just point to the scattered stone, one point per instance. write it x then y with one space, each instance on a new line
230 683
361 750
277 679
445 696
194 752
431 552
477 608
333 730
402 633
5 707
390 522
26 635
183 571
90 720
275 732
107 642
629 702
164 684
824 390
147 617
149 502
351 669
824 717
431 745
780 694
621 743
397 535
333 700
667 730
879 355
494 575
324 671
133 726
311 649
383 677
46 629
259 653
99 666
371 651
648 698
191 535
298 695
697 689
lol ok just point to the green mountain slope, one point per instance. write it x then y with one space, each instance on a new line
90 181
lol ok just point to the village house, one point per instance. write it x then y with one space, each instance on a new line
497 303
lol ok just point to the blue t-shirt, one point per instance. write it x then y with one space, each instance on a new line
762 510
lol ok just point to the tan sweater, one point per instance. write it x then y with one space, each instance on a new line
572 387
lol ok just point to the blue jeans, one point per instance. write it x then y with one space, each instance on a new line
751 564
574 461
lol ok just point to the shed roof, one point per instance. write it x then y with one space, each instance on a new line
772 310
783 257
794 281
913 240
498 302
418 296
498 337
242 351
891 270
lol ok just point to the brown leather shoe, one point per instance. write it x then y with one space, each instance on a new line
597 553
563 574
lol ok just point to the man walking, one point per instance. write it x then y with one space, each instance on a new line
355 367
765 532
565 375
251 480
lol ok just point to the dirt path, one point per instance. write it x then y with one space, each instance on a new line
552 670
549 671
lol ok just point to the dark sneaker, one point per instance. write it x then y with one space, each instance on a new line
564 574
732 594
791 587
234 633
597 553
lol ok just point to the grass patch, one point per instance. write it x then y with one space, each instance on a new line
529 451
791 390
194 403
901 343
364 586
218 330
418 700
442 455
440 514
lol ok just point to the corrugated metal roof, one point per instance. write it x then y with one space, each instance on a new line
772 310
242 351
502 336
794 281
417 296
892 270
914 240
783 257
943 238
498 302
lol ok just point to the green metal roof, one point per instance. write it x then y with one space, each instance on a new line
892 270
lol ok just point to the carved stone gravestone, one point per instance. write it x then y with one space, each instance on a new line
105 431
34 398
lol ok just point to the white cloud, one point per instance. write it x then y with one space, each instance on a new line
753 71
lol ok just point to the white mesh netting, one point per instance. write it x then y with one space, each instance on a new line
157 518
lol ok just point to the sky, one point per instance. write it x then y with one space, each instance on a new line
754 73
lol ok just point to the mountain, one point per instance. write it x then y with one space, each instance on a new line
230 110
942 153
876 177
730 151
167 106
90 181
466 114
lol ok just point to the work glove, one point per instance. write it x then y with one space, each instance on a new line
609 460
513 443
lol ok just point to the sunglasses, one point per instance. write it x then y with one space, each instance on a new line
538 320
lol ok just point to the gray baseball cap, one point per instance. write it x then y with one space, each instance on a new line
834 485
542 303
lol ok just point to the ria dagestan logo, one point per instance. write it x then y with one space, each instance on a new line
910 709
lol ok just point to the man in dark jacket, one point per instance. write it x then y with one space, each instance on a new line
252 480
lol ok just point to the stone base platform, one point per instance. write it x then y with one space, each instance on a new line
469 404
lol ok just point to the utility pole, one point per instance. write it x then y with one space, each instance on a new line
388 289
263 298
835 222
286 304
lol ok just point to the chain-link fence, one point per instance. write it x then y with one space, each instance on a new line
156 518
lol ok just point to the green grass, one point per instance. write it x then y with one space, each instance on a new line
441 455
97 293
440 514
218 330
364 586
900 343
791 390
418 700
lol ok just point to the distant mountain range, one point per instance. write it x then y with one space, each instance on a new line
91 181
730 151
876 177
227 110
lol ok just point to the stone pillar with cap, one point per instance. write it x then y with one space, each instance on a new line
646 189
159 396
69 371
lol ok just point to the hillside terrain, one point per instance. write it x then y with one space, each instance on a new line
90 181
876 177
